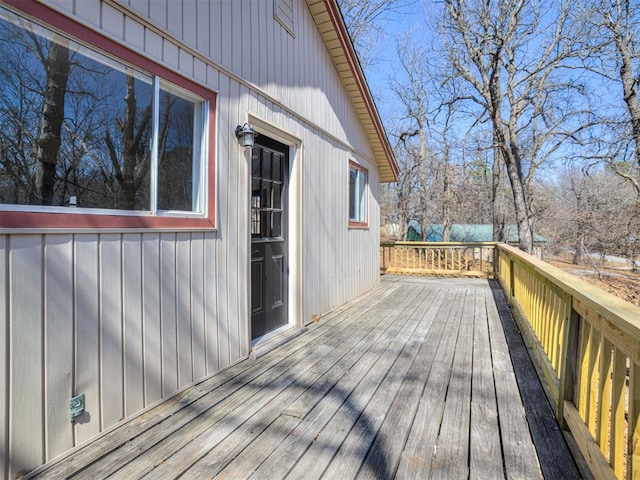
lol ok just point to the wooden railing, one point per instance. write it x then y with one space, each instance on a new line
585 340
588 347
437 258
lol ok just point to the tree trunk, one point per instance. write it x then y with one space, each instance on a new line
497 196
577 255
49 140
525 235
446 204
629 86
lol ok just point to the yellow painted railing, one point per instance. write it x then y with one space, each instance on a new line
585 340
588 347
437 258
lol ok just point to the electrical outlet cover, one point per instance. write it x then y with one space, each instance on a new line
76 407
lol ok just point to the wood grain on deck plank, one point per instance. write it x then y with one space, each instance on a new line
328 365
248 460
452 447
416 458
485 458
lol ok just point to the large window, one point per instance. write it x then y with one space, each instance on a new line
86 132
357 195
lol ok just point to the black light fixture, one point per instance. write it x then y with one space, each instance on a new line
246 135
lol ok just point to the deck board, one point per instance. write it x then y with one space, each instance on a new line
485 459
414 379
452 447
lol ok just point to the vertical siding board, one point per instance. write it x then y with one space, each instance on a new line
158 13
183 312
133 328
141 6
153 44
5 316
279 80
175 13
213 81
26 448
237 44
243 247
227 47
262 47
87 335
63 4
253 73
134 34
198 336
189 22
185 62
291 73
111 335
151 312
168 327
203 29
58 314
235 293
211 302
200 70
90 11
215 31
112 20
224 189
170 54
271 53
247 39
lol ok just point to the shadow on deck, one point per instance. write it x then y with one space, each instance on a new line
418 378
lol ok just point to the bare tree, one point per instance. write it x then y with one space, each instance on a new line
428 138
510 54
365 21
596 213
611 52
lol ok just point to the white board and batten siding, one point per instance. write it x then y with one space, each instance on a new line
129 318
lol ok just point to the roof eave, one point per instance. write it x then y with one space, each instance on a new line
328 18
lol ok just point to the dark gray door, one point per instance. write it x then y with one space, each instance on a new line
269 265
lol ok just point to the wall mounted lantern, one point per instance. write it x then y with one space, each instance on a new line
246 135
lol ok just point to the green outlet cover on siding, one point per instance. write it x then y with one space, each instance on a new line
76 407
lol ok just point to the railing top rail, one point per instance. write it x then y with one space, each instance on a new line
438 244
621 313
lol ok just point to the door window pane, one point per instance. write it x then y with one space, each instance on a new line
267 194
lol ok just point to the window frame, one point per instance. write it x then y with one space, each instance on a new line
360 170
27 217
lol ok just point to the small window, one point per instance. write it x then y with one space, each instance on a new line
85 133
283 13
357 195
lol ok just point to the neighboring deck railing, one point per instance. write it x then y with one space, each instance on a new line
587 343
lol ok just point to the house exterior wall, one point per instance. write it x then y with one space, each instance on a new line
130 317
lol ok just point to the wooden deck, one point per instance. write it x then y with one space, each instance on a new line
415 379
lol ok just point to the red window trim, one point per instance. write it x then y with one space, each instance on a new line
352 223
21 219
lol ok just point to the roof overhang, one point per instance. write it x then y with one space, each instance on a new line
328 18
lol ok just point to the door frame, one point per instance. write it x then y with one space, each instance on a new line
294 324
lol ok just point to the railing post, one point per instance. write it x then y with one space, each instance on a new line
384 259
496 261
567 375
512 292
